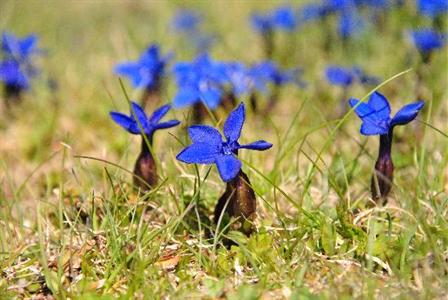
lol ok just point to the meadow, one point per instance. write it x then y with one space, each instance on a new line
73 225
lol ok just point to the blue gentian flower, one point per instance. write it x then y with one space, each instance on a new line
285 18
12 75
19 48
427 40
209 148
432 8
376 120
312 12
375 114
199 81
138 122
339 76
262 23
147 71
17 69
350 24
238 75
186 21
267 71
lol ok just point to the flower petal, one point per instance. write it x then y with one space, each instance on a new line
228 166
132 71
380 105
258 145
185 97
407 113
234 123
373 126
205 134
125 122
139 114
199 153
159 113
362 109
167 124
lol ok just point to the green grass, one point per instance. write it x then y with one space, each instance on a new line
72 226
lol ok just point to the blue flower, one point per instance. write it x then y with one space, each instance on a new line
201 80
19 49
375 114
267 71
147 70
239 78
339 76
350 24
138 122
432 8
285 18
209 148
12 75
186 21
262 23
427 40
312 11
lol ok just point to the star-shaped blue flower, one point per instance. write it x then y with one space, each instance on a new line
375 114
16 70
201 80
19 48
209 148
147 70
138 122
427 40
267 71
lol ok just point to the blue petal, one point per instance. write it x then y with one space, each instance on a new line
125 122
234 123
139 115
362 109
185 97
258 145
211 97
380 105
228 166
132 71
159 113
28 45
167 124
204 134
199 153
373 128
407 113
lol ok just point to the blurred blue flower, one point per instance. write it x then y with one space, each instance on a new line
375 114
426 40
339 76
17 69
350 24
147 71
262 23
312 11
12 75
239 78
138 122
200 80
19 49
267 71
186 21
285 18
209 148
432 8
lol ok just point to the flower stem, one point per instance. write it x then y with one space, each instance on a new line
238 201
13 94
381 183
145 169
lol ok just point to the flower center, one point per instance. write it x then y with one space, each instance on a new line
230 148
